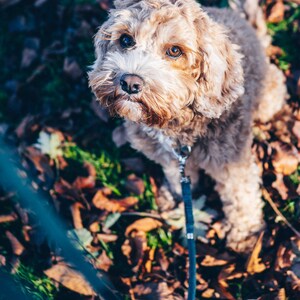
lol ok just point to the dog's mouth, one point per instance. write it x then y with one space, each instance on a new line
130 108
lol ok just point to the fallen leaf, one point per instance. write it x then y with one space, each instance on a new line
208 294
277 12
70 279
162 259
2 261
75 211
103 262
111 220
227 273
50 144
134 249
145 225
8 218
281 295
296 131
210 261
294 280
16 246
148 263
107 238
88 182
279 185
286 158
80 238
66 190
101 201
254 264
153 290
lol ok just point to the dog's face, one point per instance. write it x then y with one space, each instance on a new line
160 62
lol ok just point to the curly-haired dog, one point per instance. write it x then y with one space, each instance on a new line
178 72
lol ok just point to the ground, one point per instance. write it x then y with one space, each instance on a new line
106 193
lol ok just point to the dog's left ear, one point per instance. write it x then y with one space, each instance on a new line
220 77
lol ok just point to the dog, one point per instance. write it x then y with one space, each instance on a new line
181 73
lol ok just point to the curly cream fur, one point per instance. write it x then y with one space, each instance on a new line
206 98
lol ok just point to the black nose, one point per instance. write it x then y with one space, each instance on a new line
131 84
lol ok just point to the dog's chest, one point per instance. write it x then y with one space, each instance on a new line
166 143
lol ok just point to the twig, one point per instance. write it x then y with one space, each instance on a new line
267 196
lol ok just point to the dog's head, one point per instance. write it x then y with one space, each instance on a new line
161 62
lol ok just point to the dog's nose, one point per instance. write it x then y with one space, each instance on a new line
131 84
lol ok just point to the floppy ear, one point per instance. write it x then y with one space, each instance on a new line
221 79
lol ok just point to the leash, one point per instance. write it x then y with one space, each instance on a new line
182 155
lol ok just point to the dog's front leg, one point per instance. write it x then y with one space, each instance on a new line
238 184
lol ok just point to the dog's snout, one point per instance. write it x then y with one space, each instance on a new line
131 83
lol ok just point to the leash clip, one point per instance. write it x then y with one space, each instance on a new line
182 153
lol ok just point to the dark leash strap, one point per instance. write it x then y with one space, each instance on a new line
182 156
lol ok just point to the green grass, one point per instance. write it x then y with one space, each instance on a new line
108 168
159 238
109 172
285 34
37 286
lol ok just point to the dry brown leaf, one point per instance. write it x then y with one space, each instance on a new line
103 262
94 227
208 294
295 281
285 160
296 131
66 190
148 264
134 249
145 225
223 277
153 186
274 51
101 201
86 182
277 12
75 211
280 186
152 290
70 279
254 264
210 261
284 258
281 295
8 218
107 238
162 259
16 246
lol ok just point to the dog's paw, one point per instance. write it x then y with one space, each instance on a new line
241 241
240 245
165 200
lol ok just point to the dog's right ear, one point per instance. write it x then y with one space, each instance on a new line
119 4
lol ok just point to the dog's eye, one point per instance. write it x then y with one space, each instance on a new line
174 52
126 41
